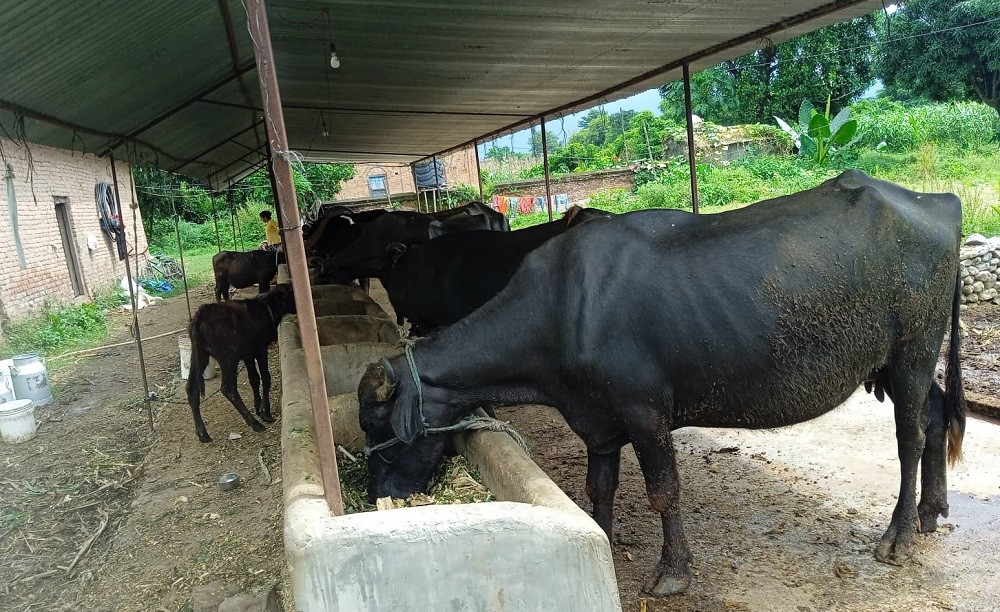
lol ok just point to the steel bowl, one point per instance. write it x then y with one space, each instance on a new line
228 481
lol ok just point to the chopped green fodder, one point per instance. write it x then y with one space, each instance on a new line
456 481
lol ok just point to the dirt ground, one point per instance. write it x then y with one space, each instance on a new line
139 513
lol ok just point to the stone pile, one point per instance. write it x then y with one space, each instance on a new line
979 259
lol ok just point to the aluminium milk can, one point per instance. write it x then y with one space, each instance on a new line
30 379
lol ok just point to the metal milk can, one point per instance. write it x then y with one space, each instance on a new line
30 379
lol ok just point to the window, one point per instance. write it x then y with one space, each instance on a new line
377 186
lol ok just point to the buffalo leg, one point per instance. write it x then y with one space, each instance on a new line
264 413
264 286
655 451
254 378
199 425
602 482
909 406
233 395
933 465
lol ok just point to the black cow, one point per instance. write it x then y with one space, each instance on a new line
243 269
439 282
814 293
370 256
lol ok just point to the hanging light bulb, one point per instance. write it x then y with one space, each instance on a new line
326 130
334 60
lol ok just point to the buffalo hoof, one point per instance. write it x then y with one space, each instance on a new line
265 416
256 426
894 550
667 581
204 438
928 516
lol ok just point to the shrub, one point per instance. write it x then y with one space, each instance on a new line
902 128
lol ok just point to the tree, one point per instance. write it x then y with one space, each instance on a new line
536 141
932 56
499 153
712 97
600 128
753 88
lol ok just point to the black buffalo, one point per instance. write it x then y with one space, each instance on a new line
439 282
234 332
370 255
816 292
242 269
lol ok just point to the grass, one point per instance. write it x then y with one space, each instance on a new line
973 174
62 328
455 481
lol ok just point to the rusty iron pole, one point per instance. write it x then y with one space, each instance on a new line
295 252
273 179
548 177
135 302
479 172
215 222
690 130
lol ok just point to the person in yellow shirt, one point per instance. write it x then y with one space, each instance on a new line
272 236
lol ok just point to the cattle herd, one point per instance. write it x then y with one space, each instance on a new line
602 317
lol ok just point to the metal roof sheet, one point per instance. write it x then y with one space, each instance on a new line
415 78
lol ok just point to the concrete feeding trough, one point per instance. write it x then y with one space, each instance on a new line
533 549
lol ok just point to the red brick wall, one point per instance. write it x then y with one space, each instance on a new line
459 168
579 186
56 173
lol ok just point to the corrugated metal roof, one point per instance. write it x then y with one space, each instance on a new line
416 78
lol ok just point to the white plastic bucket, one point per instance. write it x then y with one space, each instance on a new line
17 421
184 348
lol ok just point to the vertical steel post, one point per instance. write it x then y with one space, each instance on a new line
232 214
295 253
690 130
180 251
437 182
479 172
548 177
215 222
135 303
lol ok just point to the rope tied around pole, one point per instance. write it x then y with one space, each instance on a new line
469 423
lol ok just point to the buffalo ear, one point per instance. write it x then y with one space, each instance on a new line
378 383
395 250
407 422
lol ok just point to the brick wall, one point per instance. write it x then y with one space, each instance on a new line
579 186
56 173
459 167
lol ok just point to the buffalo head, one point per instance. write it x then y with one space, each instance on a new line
389 410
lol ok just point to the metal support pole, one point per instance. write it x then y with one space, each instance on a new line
295 253
273 179
135 304
232 215
479 172
690 130
437 182
180 250
215 222
548 177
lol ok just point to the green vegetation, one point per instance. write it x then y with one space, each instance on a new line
943 50
62 328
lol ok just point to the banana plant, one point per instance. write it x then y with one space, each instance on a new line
817 136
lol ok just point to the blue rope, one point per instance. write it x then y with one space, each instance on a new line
472 422
416 380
